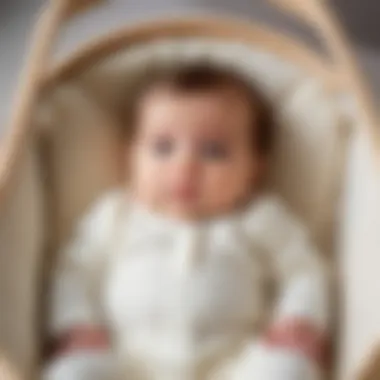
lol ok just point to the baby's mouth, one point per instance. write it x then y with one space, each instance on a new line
184 193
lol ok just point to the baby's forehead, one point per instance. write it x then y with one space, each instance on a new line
197 114
195 131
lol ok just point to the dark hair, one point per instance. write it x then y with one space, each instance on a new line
201 77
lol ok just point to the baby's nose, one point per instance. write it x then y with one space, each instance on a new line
186 169
188 165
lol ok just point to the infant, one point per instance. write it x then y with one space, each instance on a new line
192 272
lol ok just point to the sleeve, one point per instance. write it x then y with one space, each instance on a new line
298 330
80 347
78 272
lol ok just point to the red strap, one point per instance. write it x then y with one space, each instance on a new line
81 338
301 335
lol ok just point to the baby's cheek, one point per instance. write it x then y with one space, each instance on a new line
220 186
147 182
227 187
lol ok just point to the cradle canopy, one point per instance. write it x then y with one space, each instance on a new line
64 146
81 116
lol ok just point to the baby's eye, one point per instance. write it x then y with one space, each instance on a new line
163 147
214 150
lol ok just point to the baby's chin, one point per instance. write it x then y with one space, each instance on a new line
189 210
178 211
192 212
183 213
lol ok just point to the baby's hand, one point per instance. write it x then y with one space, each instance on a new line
300 336
82 353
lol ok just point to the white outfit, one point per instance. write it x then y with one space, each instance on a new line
187 301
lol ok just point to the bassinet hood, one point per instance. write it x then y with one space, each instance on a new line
84 124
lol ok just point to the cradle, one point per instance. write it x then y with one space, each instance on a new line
63 125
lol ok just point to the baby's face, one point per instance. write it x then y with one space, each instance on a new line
193 154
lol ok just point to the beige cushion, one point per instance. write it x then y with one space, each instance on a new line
84 154
23 241
306 166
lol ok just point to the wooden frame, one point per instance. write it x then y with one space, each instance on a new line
7 372
340 72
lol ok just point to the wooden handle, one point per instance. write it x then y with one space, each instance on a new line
25 97
304 9
50 22
321 18
74 7
7 372
371 366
